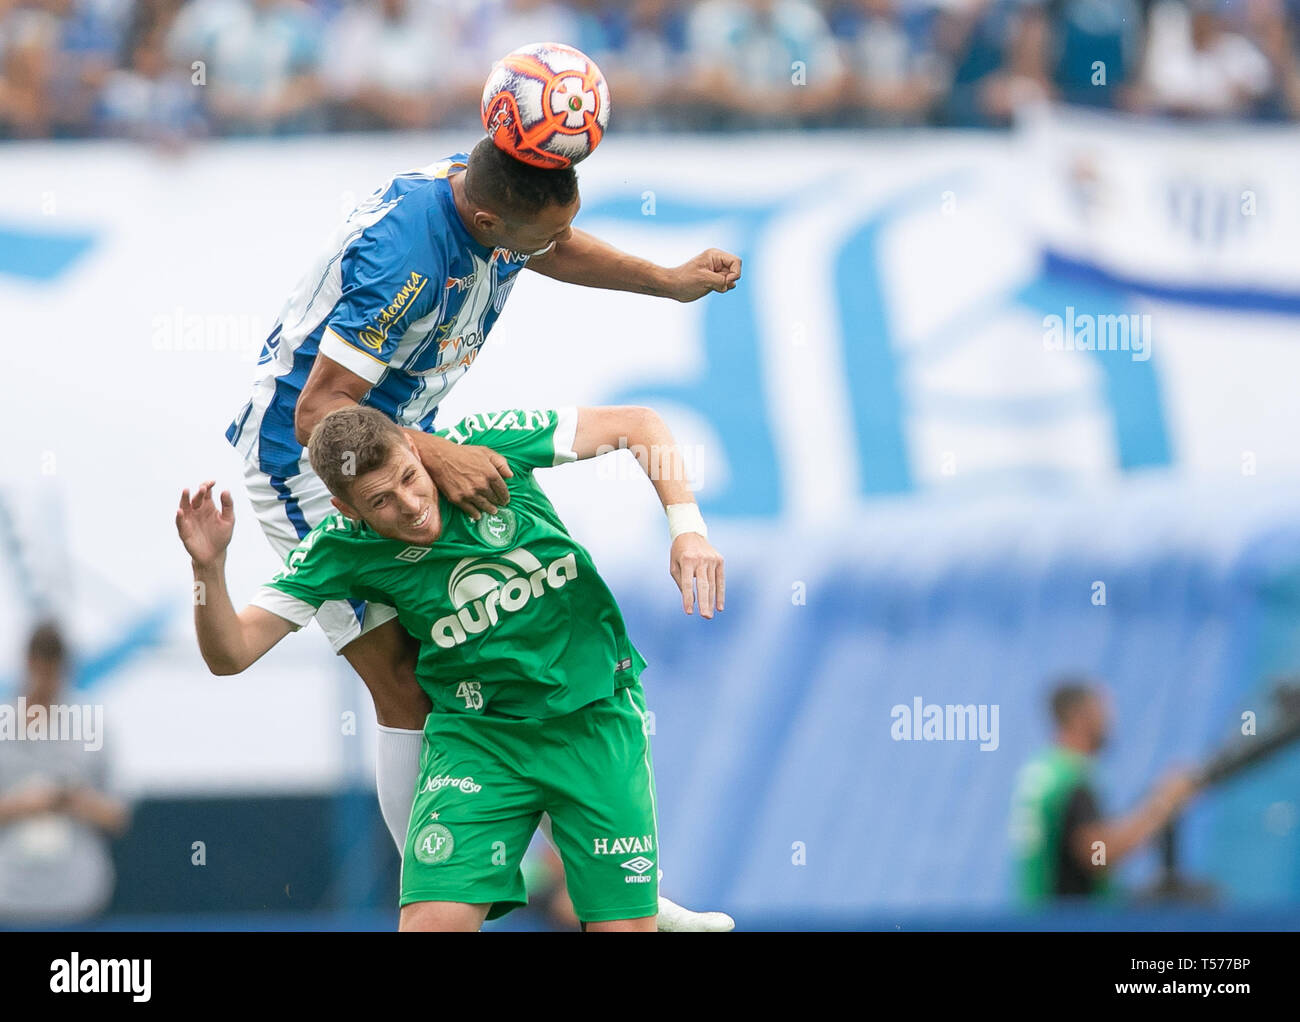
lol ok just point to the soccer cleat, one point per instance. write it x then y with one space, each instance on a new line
675 919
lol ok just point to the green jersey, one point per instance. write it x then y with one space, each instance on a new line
1053 797
512 618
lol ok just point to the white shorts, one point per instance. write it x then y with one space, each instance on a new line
289 509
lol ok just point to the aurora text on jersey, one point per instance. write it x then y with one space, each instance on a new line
403 297
512 617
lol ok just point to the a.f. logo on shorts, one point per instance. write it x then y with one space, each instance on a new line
434 844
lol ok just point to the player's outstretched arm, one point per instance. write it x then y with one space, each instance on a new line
693 563
584 259
230 642
1122 835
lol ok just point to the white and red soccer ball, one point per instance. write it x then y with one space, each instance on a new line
546 104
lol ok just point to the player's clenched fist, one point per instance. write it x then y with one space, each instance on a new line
711 270
204 528
697 568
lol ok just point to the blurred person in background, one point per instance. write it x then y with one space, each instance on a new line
259 61
88 46
56 812
647 41
1267 24
151 99
27 42
1096 50
1196 67
1065 846
55 56
998 52
895 75
762 63
498 27
397 64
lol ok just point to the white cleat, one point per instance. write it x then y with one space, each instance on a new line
675 919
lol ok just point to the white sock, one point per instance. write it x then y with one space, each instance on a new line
397 772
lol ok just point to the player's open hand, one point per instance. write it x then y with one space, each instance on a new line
204 528
471 476
711 270
697 569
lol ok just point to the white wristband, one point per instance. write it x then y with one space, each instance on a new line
685 518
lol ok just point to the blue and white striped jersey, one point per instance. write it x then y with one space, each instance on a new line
404 298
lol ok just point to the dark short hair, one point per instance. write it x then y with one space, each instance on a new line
350 442
46 643
1068 694
512 189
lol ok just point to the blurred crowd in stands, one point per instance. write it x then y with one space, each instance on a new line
168 70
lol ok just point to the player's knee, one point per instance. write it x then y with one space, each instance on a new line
389 646
398 704
387 666
440 917
645 924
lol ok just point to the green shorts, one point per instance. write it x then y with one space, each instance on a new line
485 782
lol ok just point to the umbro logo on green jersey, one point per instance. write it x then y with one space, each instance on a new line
412 554
483 588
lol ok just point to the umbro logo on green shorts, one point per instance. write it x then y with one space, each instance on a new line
638 868
434 844
483 588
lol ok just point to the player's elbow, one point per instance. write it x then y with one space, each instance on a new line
641 423
304 420
223 666
307 411
1091 847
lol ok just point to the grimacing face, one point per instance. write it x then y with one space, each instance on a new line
553 224
398 499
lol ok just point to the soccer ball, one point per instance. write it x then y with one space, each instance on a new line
546 104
